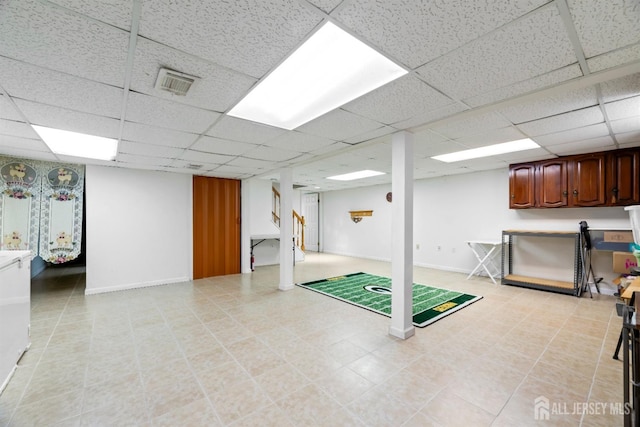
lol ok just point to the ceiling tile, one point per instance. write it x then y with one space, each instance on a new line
167 114
244 131
300 142
480 123
334 148
339 125
256 35
143 160
52 41
159 136
417 32
191 167
217 88
484 163
572 135
21 129
381 132
533 45
602 143
615 58
623 109
603 26
15 148
551 106
496 136
235 172
45 86
271 154
626 125
539 82
149 150
633 144
202 157
399 100
209 144
114 12
431 116
437 148
7 110
628 137
325 5
257 166
560 122
621 88
31 144
521 156
62 118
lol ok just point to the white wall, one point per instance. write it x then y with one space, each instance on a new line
448 211
139 228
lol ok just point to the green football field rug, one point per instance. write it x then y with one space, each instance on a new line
374 293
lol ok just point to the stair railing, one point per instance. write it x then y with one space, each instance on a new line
298 220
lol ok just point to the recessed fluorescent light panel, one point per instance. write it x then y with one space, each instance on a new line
78 144
355 175
490 150
330 69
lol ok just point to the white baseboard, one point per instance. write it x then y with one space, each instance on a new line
102 290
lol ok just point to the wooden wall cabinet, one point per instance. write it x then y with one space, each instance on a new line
551 183
623 183
587 180
522 186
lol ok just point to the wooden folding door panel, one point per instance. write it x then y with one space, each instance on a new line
216 227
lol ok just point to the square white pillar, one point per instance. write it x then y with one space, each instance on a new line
402 236
286 230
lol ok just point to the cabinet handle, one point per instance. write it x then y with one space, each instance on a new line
513 196
615 191
564 193
575 192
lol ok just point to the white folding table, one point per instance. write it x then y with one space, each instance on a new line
487 253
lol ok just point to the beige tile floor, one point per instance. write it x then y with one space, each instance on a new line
235 350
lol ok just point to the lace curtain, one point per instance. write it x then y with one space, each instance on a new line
41 208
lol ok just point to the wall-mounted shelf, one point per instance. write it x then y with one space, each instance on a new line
356 216
560 286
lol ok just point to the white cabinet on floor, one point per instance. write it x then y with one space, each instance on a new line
15 307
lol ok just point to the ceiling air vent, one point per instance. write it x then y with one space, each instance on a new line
174 81
193 166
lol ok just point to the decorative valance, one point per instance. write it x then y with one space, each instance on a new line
41 208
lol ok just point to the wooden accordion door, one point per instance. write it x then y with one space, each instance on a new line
216 226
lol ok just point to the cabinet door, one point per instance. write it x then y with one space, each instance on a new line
551 183
521 186
588 180
623 187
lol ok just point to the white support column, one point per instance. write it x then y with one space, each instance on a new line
402 236
286 230
245 226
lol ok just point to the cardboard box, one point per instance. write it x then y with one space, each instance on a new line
618 236
623 261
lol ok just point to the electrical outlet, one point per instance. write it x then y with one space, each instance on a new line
439 248
417 245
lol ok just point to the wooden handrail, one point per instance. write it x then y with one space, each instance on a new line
298 220
298 229
275 206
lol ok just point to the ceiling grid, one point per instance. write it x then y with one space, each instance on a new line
565 73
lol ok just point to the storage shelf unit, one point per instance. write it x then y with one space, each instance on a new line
565 287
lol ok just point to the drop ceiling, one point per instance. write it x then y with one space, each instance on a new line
565 73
